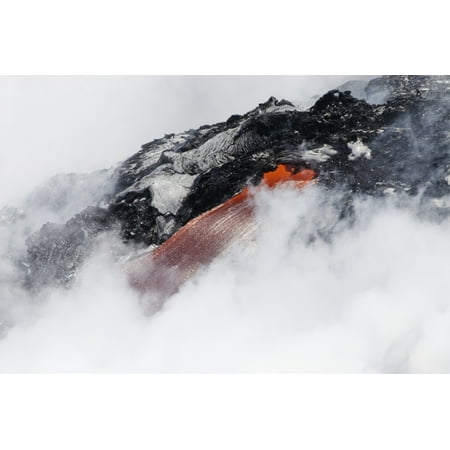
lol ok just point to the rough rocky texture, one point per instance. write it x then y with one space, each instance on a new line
393 138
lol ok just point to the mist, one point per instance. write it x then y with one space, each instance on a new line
312 292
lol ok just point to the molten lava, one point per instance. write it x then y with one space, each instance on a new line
202 239
285 172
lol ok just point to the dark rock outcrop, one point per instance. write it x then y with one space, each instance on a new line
393 139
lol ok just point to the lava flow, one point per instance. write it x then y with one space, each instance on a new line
202 239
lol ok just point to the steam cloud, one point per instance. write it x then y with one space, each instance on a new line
313 292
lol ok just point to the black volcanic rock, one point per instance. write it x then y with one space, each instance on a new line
393 139
56 251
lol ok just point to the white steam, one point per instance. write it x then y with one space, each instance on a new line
359 150
313 293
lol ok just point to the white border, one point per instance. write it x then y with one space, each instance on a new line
233 37
224 411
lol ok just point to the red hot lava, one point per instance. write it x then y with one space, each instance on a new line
202 239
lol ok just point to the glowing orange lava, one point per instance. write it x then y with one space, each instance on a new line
203 238
285 172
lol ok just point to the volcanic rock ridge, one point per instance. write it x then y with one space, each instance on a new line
391 136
